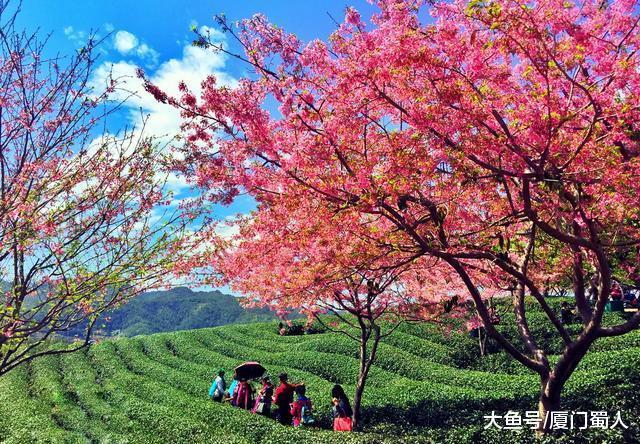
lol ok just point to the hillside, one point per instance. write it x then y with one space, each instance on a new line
178 309
425 387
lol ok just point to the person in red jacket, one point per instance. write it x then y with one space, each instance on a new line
616 291
282 399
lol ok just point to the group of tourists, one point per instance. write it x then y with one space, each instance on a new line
621 298
627 297
295 329
288 403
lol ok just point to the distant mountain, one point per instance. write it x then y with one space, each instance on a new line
178 309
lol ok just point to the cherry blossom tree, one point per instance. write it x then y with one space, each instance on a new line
299 255
85 221
538 99
499 139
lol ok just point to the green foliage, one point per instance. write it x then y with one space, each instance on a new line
424 387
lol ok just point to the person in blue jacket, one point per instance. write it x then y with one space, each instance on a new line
232 387
218 387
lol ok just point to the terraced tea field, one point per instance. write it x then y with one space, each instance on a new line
425 387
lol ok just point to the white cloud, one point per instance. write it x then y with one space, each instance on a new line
177 183
144 50
227 231
228 227
109 27
150 55
162 120
75 36
127 43
124 41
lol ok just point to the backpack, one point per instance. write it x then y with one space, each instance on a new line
306 416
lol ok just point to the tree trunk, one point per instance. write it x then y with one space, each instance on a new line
551 386
366 360
357 398
549 402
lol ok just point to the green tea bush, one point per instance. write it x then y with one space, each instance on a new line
47 387
102 422
22 417
424 387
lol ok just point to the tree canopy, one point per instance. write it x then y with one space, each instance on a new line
497 143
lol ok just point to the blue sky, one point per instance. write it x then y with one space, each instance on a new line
156 36
163 26
161 23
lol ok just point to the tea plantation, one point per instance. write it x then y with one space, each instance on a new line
425 387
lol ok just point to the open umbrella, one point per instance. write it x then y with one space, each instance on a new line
250 370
